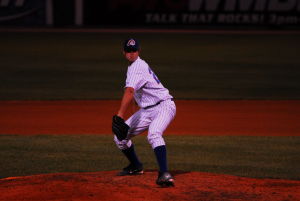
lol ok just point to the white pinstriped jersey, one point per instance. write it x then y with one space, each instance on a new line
148 90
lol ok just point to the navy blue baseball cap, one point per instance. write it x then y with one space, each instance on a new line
131 45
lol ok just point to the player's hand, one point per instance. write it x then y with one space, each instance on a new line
120 115
119 127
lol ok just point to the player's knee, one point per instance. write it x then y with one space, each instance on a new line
155 140
123 144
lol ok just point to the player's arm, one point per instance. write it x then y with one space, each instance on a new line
126 101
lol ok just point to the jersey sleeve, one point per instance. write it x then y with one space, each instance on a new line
135 78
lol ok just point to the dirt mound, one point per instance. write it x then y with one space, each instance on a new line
106 186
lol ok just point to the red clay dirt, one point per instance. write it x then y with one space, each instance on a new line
105 186
260 118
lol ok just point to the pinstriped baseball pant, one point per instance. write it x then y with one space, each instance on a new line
156 119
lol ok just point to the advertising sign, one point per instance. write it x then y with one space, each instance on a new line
22 12
193 12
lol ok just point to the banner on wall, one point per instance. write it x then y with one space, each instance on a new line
150 12
23 12
192 12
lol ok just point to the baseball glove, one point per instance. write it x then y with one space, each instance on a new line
119 127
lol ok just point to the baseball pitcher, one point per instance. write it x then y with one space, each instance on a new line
157 110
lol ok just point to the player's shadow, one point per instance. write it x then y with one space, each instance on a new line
173 172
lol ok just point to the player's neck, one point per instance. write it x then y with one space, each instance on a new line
131 62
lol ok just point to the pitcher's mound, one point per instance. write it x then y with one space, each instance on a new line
106 186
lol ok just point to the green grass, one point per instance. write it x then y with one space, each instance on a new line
259 157
47 66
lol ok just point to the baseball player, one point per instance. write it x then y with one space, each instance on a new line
157 110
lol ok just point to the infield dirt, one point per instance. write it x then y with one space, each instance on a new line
106 186
194 117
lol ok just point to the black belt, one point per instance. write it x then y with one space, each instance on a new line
172 99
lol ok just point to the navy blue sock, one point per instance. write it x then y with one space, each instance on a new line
161 156
131 156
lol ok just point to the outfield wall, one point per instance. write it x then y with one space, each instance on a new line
164 13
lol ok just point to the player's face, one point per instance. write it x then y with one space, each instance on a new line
131 56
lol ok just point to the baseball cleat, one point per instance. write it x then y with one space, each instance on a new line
165 179
131 170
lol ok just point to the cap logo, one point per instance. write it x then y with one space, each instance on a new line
131 42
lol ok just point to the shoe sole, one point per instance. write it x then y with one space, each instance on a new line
130 174
169 183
